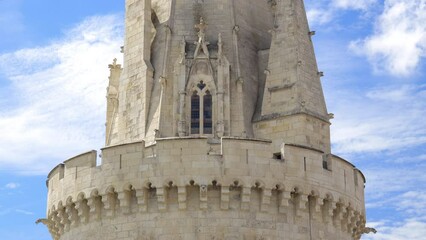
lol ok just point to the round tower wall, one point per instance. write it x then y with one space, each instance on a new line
197 188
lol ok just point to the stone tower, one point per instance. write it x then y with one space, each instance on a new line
216 128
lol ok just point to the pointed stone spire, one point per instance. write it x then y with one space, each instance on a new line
112 98
293 92
293 83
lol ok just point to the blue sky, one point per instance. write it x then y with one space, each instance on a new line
53 75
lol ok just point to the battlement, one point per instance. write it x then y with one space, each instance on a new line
172 169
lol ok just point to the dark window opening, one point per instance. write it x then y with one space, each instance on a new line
195 113
326 161
278 156
207 117
325 165
201 85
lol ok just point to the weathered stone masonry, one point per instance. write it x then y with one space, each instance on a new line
235 183
216 128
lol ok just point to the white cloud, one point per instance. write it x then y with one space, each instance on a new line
410 159
319 16
12 185
322 12
398 190
410 229
399 41
59 96
384 119
353 4
413 203
404 196
407 180
403 92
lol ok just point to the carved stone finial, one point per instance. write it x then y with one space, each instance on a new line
114 64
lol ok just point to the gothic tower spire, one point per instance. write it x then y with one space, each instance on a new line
293 81
216 129
293 92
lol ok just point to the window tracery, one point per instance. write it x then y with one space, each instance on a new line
201 110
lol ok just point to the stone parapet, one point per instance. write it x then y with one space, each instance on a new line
234 182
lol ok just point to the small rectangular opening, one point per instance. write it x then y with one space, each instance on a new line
326 161
304 163
325 165
277 156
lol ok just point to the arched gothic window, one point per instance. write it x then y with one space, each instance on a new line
201 110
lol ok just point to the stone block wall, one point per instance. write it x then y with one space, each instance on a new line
300 128
194 188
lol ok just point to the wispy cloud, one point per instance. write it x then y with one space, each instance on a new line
379 122
58 96
410 229
410 159
397 192
12 185
317 16
397 44
8 211
25 212
410 179
353 4
321 12
392 94
399 40
382 119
